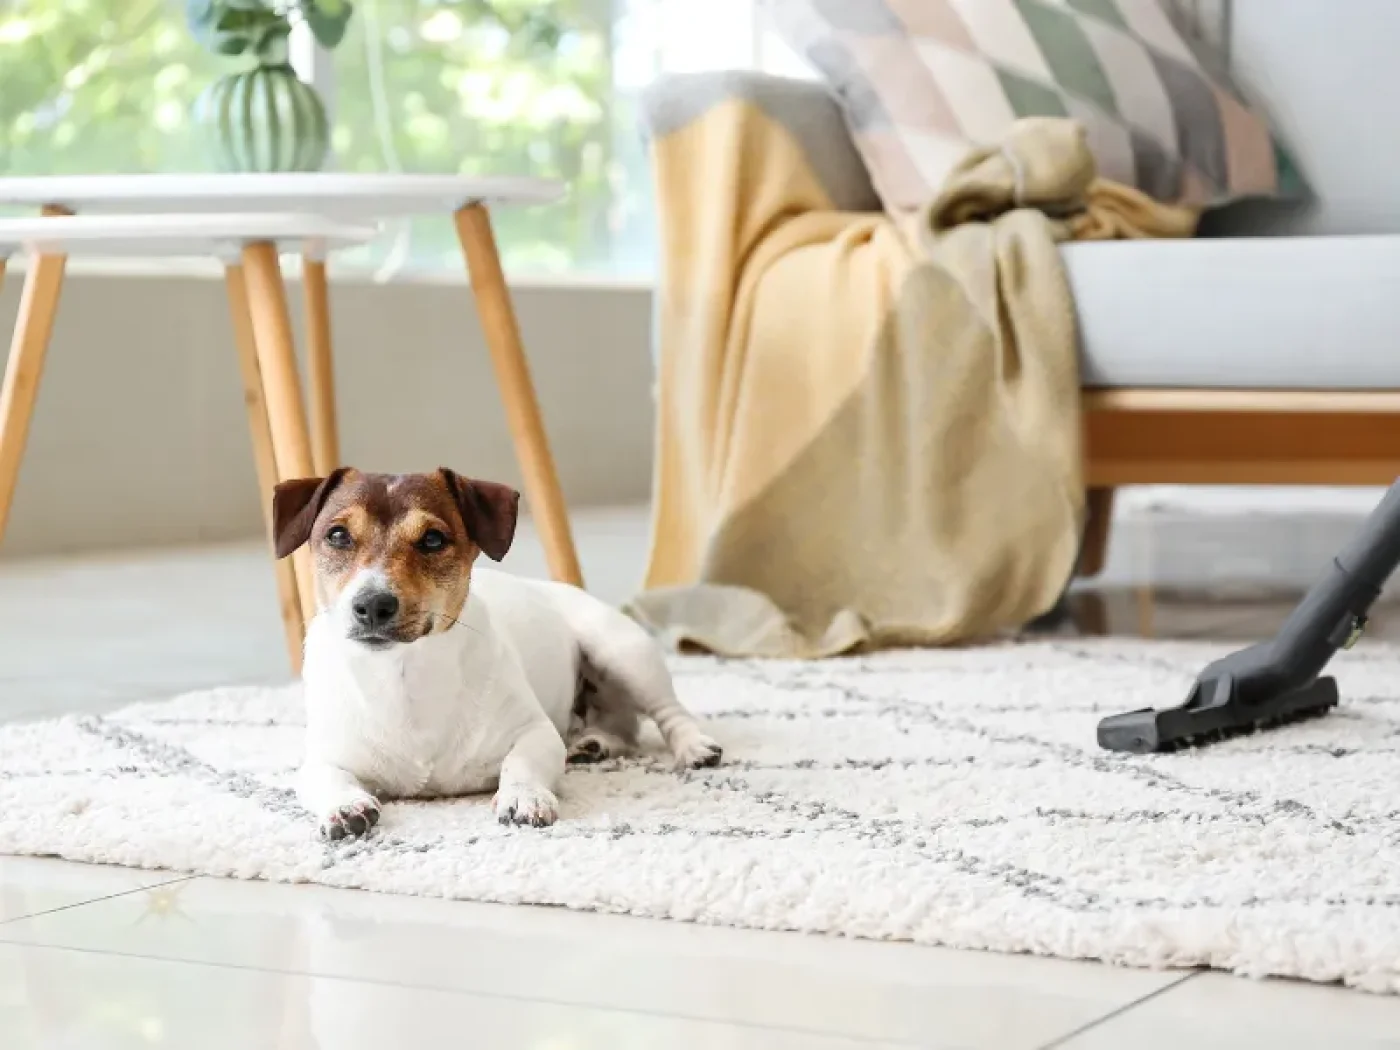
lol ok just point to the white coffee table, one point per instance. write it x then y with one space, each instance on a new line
356 197
248 246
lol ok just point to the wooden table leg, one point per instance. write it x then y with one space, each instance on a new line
289 598
33 328
320 369
276 349
502 333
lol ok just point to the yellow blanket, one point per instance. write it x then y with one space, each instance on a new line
868 429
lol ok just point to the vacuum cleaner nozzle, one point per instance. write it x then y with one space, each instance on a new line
1213 712
1277 681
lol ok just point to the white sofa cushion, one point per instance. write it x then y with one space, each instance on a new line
1287 313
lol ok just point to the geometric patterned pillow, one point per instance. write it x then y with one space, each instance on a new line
922 81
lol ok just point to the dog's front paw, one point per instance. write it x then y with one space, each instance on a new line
350 820
695 751
524 804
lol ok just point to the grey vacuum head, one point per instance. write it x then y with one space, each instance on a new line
1214 711
1278 681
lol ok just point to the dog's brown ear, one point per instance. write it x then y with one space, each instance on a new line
295 506
489 512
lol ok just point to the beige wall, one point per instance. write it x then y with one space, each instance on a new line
139 437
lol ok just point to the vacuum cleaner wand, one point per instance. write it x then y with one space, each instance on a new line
1277 681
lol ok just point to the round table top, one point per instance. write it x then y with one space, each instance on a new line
341 194
222 234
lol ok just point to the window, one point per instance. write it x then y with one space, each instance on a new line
489 88
543 87
98 85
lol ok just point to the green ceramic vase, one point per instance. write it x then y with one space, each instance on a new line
264 119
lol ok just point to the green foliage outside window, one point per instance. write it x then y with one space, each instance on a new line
472 86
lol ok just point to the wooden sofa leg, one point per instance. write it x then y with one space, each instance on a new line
1098 525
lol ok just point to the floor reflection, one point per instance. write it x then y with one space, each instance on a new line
1197 614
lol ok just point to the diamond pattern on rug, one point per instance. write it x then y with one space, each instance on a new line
948 797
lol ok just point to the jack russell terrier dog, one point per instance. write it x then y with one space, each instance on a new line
428 677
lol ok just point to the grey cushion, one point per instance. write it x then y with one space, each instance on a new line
1302 313
804 108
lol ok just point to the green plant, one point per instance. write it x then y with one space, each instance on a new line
261 27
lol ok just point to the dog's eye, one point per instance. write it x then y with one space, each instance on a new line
339 538
431 542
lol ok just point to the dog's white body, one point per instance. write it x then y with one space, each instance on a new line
485 705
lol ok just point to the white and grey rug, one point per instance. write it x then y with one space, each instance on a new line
952 798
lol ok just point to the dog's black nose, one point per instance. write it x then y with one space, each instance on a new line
375 610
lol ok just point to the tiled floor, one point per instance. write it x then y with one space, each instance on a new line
101 957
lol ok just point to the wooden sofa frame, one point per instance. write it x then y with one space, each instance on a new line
1232 437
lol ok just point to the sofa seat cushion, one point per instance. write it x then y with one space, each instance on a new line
1285 313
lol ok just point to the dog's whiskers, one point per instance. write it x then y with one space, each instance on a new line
454 622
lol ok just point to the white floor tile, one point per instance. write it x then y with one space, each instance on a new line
135 626
855 989
1214 1011
59 998
34 885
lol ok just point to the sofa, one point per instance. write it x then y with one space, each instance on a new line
1267 349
